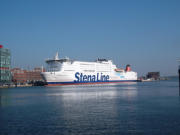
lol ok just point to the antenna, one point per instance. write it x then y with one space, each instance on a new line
56 56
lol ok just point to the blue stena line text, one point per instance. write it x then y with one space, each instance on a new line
99 77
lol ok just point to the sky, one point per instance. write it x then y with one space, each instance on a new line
142 33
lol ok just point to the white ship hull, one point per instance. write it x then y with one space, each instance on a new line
67 72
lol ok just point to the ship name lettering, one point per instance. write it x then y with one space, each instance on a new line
99 77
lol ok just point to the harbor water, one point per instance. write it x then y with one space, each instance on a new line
143 108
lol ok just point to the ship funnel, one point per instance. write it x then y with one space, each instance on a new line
128 68
56 56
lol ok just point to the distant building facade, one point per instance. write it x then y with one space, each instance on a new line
20 76
154 75
5 65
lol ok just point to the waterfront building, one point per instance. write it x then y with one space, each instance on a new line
153 75
20 76
5 64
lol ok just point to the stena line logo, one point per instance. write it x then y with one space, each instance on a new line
99 77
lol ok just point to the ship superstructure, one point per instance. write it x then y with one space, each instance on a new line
69 72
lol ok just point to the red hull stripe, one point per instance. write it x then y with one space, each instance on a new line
86 83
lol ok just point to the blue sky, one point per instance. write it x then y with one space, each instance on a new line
143 33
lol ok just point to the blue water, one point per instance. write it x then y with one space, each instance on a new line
149 108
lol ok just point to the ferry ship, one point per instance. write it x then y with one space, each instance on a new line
71 72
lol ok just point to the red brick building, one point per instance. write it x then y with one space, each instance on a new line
21 76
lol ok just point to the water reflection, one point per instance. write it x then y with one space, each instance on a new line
140 108
93 92
94 107
66 110
5 98
21 96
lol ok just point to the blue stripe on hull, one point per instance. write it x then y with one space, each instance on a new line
99 82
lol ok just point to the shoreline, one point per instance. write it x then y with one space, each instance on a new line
14 86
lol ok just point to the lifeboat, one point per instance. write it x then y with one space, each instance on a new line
119 70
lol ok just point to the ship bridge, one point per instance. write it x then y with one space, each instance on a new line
55 64
56 59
